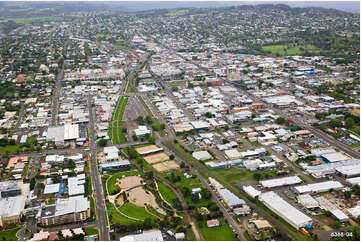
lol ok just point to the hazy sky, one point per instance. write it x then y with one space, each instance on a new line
349 6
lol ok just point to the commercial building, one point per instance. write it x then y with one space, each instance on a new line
115 165
200 125
59 134
202 155
278 182
318 187
253 153
334 157
233 154
142 131
349 171
354 212
72 209
76 185
11 188
322 170
149 149
150 235
326 205
251 191
111 153
228 198
223 164
307 201
354 181
283 209
11 209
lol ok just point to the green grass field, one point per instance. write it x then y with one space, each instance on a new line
221 233
115 128
167 194
10 149
233 174
33 19
175 13
290 50
111 182
135 212
116 217
91 231
177 84
9 234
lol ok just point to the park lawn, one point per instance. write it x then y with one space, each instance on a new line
91 231
356 130
115 128
177 84
167 194
111 182
101 35
117 217
10 149
9 234
34 19
254 143
221 233
191 183
92 205
293 50
190 235
175 13
233 174
135 212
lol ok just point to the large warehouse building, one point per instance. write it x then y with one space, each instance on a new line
283 209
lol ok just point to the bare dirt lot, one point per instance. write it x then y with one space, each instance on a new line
141 197
155 158
129 182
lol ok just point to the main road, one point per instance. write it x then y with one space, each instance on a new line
97 184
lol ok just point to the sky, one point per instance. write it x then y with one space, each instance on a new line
137 5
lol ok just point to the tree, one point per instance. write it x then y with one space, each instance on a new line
206 194
149 175
280 120
135 138
257 176
140 120
151 139
186 191
102 142
335 123
171 157
347 194
336 225
147 223
349 123
195 197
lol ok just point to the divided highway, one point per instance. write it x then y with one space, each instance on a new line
97 183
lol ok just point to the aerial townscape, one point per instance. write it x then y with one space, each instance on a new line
171 121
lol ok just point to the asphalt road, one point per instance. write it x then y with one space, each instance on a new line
56 94
97 184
